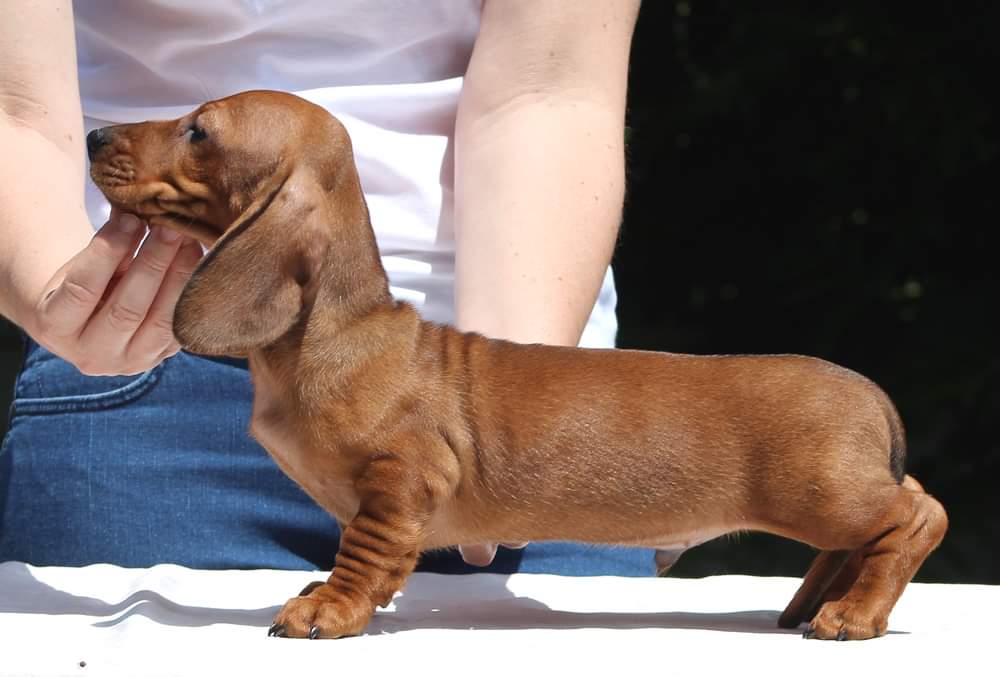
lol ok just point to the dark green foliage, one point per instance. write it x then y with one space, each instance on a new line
820 179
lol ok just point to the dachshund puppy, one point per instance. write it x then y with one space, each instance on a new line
416 436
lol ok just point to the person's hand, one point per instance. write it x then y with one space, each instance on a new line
109 313
482 554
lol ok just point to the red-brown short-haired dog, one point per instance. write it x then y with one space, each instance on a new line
417 436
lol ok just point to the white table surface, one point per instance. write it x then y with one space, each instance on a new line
168 620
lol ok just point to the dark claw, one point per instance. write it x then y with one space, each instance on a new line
314 632
809 633
842 635
277 630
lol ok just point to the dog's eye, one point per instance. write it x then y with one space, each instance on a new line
197 133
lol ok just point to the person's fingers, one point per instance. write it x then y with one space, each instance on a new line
139 234
79 286
155 336
126 261
111 328
169 351
478 554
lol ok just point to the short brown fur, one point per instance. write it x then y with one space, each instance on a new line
417 436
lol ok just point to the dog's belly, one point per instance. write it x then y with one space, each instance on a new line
317 473
458 525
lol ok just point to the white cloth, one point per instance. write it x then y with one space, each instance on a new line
391 70
169 620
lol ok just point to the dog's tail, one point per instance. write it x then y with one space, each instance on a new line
897 441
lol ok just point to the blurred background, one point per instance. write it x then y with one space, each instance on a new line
821 178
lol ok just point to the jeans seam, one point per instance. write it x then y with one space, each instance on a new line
70 403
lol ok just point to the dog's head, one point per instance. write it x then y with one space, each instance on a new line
268 180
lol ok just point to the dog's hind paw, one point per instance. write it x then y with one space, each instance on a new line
841 621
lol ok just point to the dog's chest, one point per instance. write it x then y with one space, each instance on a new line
279 427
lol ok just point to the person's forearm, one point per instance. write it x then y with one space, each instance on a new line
539 191
539 165
43 222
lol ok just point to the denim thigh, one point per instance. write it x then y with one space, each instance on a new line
159 467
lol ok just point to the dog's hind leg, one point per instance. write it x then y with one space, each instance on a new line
859 599
666 559
840 585
818 581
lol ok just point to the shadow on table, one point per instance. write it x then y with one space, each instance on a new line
430 601
484 602
23 593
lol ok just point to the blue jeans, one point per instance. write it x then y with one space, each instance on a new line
138 470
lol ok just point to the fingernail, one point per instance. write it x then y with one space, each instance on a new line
168 235
128 223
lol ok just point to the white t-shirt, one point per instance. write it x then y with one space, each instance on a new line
390 70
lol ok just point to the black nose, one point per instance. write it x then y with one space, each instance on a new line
96 140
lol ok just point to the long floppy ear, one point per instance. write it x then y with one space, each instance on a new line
248 290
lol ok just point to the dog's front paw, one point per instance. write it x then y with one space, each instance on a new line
842 620
323 613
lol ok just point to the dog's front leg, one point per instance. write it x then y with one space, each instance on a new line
378 550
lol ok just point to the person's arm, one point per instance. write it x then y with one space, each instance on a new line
540 164
82 296
539 169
